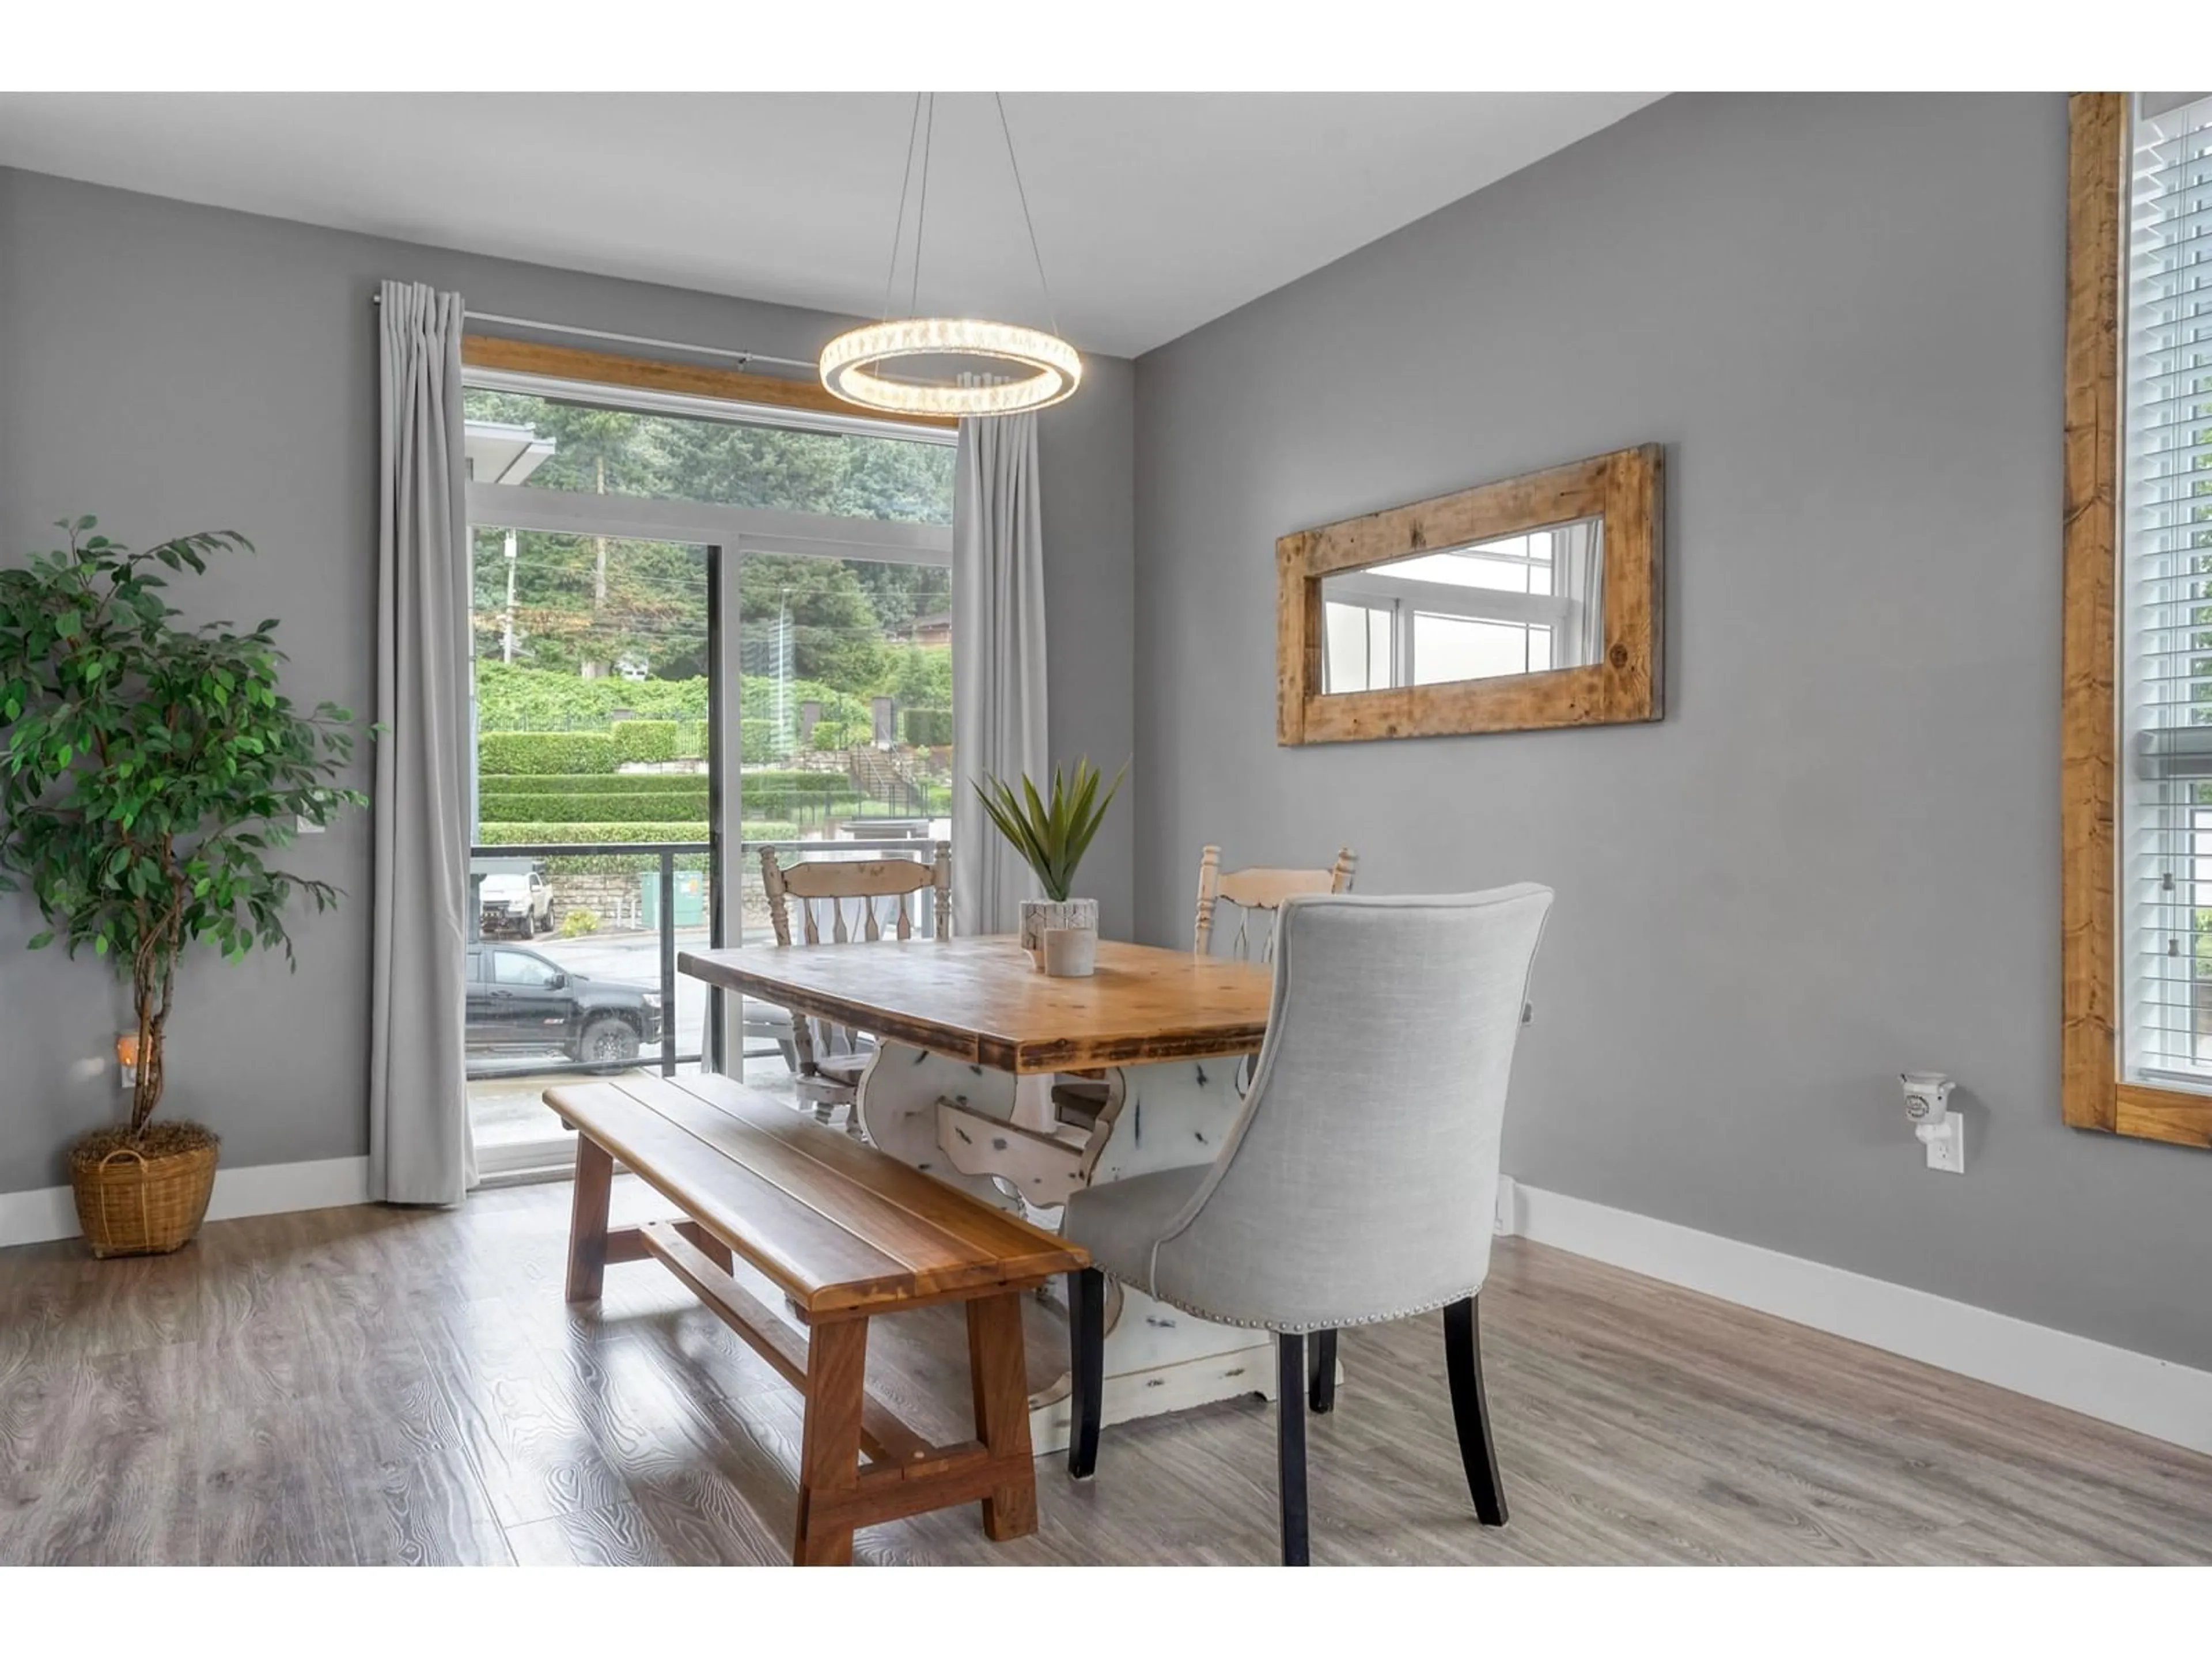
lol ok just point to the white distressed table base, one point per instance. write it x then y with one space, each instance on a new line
1164 1117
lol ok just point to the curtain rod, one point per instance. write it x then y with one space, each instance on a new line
628 339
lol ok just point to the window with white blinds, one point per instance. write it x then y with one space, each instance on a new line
2165 609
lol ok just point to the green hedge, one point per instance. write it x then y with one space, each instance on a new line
829 734
644 740
513 698
618 783
773 792
542 753
531 831
798 782
757 742
638 863
644 805
806 809
805 796
928 728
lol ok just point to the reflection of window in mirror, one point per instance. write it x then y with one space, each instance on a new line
1360 639
1520 604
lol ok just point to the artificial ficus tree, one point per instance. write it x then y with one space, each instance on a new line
151 769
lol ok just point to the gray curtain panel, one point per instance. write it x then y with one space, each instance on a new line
998 662
419 1149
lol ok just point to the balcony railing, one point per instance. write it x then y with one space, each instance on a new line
568 1018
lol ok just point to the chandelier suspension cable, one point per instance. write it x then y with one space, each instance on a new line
898 225
1051 312
921 209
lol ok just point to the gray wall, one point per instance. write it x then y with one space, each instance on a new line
173 367
1838 856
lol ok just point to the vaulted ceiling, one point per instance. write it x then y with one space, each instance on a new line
1154 211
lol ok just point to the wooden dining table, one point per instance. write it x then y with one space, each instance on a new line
969 1036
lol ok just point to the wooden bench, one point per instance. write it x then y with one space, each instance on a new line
846 1233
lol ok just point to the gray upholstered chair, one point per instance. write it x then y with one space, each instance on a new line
1360 1182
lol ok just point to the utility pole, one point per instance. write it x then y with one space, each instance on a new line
783 669
507 641
600 583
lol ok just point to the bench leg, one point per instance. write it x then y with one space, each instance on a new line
588 1220
830 1448
1000 1371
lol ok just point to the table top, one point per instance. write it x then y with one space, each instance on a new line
979 999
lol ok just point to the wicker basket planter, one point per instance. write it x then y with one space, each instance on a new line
143 1201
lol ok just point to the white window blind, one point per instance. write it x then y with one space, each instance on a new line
2166 600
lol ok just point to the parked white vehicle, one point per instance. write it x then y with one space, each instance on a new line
515 898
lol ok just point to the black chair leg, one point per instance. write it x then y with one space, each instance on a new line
1324 1398
1087 1334
1290 1444
1471 1411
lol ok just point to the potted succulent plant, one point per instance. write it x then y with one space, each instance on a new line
1059 932
150 771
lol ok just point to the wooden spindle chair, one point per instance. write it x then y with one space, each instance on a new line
830 1058
1259 892
1254 891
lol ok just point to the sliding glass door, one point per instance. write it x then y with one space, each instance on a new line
595 791
845 738
696 635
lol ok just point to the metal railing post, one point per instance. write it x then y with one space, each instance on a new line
667 962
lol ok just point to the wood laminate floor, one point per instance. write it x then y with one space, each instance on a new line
371 1385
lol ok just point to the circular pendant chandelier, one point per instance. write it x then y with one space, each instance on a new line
1007 368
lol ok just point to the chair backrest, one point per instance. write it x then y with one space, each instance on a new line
823 888
1361 1181
820 890
1260 891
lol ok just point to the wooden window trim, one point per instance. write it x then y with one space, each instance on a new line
1622 489
2092 1094
561 362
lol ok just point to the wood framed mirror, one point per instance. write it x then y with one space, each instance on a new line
1516 606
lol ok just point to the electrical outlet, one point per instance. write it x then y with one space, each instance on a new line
1946 1143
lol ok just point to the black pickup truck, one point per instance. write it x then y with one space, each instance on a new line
520 1001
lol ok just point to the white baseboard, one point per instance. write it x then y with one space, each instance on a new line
2136 1391
49 1212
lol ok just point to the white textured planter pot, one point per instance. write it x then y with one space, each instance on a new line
1071 952
1038 915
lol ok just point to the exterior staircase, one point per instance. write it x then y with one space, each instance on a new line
880 774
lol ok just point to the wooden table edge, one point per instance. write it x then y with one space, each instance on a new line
1032 1058
845 1010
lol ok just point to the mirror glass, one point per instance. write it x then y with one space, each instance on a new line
1521 604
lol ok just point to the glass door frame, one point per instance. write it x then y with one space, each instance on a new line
727 533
